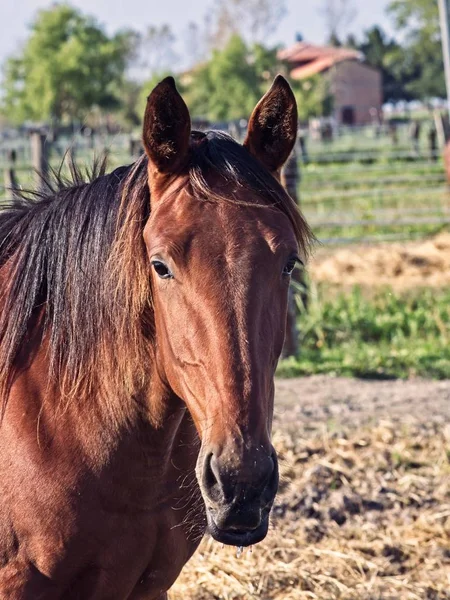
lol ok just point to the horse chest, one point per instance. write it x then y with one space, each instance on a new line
142 567
124 534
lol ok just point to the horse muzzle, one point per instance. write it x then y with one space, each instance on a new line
238 494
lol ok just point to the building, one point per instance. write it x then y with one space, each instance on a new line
356 88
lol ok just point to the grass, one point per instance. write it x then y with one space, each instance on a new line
385 335
407 230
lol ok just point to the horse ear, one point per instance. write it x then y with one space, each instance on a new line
272 128
167 127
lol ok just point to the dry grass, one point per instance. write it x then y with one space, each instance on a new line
361 515
400 265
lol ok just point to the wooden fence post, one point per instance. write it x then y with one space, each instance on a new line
39 159
135 148
11 183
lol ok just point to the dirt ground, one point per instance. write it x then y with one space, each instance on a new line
363 510
402 265
319 402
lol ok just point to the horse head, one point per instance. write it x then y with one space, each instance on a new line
222 240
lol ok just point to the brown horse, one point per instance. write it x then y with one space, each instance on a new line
142 316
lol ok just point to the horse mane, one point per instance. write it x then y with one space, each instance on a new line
74 260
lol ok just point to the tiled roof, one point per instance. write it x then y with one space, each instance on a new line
307 59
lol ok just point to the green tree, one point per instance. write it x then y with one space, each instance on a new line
421 67
313 97
67 66
387 56
229 85
129 96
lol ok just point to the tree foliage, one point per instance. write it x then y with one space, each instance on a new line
67 66
386 55
229 85
313 97
420 64
129 96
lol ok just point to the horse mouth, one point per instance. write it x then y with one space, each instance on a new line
237 537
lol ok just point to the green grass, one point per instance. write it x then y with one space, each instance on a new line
387 335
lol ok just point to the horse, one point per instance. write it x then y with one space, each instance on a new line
142 316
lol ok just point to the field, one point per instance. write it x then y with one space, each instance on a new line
381 311
348 203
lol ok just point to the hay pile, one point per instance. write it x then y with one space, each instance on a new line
400 265
362 515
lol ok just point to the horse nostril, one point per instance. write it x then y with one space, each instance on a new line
210 475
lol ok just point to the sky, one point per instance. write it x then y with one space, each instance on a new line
303 16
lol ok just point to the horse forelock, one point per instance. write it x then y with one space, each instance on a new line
239 172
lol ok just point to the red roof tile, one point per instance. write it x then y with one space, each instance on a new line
308 59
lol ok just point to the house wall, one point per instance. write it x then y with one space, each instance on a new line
356 86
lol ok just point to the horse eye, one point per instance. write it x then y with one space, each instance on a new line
290 266
162 270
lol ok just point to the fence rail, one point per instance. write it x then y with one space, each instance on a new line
377 222
313 197
352 195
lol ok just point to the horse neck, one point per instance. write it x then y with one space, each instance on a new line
95 427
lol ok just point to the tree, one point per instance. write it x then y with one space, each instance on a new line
338 15
129 96
313 97
253 20
351 41
230 84
158 49
195 43
422 65
67 66
387 56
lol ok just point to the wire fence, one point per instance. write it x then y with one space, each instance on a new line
356 195
355 208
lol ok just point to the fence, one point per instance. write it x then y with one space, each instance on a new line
378 202
374 184
350 191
